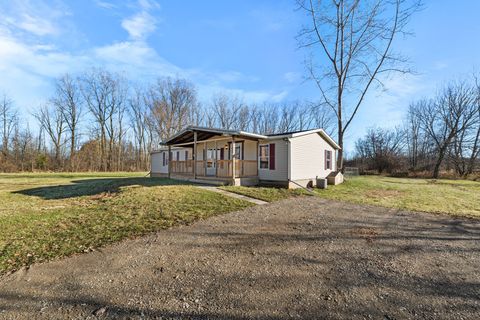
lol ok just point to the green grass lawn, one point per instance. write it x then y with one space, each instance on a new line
45 216
456 197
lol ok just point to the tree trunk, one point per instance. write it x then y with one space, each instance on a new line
436 169
340 143
72 152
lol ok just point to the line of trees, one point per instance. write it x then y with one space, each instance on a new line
98 121
439 134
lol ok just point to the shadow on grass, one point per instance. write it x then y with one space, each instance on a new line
91 187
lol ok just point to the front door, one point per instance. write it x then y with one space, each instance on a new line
211 169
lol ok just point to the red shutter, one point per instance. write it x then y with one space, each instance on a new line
272 156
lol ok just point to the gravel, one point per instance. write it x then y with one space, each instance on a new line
301 258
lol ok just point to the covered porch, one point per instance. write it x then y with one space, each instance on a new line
214 156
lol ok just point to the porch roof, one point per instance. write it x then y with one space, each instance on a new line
187 135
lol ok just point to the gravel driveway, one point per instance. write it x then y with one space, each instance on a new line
304 258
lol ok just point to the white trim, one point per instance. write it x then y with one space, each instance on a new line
268 156
289 160
303 133
218 131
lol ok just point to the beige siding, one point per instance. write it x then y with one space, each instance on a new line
250 152
157 159
308 157
157 163
281 162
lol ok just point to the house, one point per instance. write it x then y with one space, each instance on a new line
217 156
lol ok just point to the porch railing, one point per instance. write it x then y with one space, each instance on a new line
181 167
243 168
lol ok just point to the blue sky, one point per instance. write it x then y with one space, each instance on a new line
246 48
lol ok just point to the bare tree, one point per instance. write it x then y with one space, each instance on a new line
355 39
230 112
51 119
96 88
288 117
138 122
446 117
268 119
105 96
321 117
68 100
381 148
8 117
465 148
170 102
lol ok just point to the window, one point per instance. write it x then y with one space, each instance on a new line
165 158
238 151
178 155
328 160
211 157
186 154
264 156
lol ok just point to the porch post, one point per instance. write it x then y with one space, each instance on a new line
258 161
216 164
194 157
205 158
169 160
233 158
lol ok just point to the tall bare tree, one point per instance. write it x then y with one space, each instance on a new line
465 148
446 117
138 121
51 119
68 100
170 102
230 112
355 39
105 96
8 117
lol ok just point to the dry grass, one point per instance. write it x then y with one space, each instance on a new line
455 197
46 216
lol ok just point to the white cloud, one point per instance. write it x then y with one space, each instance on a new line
136 58
29 64
105 4
34 18
37 25
292 77
149 4
140 25
207 90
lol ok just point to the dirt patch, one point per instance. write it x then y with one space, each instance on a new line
368 234
302 258
101 196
